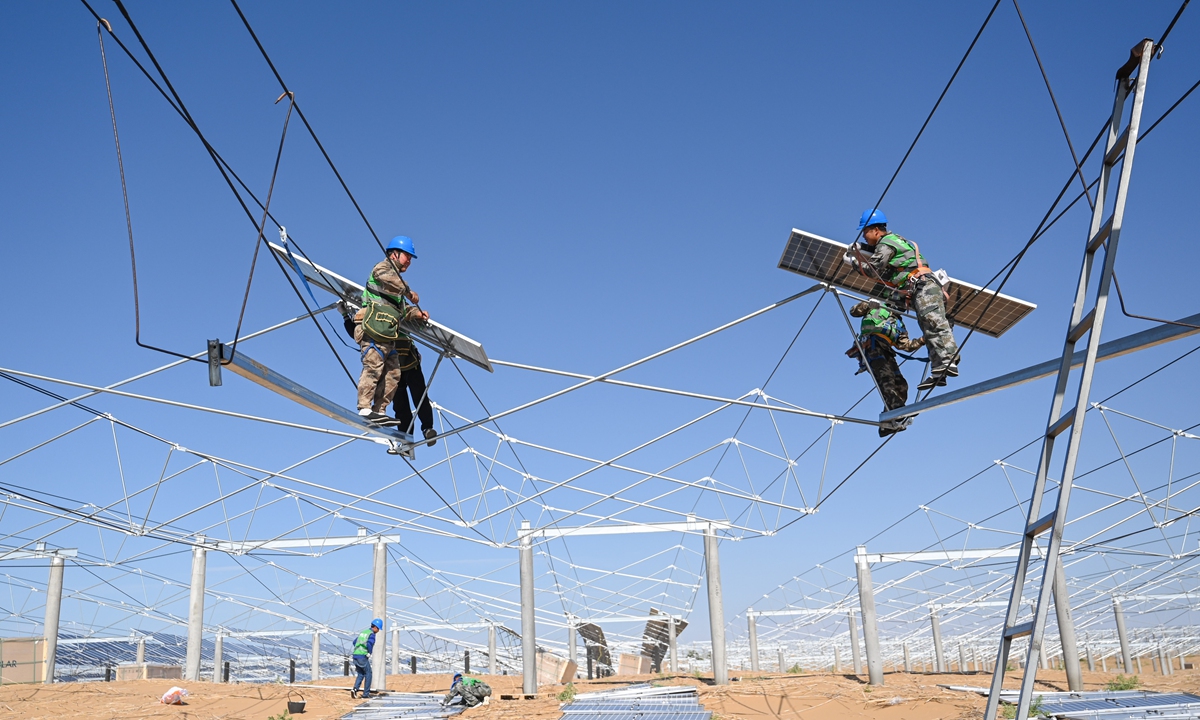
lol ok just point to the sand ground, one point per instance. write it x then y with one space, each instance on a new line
757 696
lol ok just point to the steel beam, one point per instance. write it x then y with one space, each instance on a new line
866 602
241 547
855 651
939 660
315 673
218 656
1114 348
753 628
1066 631
1119 617
692 526
529 683
716 606
379 606
53 610
262 375
195 636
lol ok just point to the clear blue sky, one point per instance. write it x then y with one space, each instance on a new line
586 184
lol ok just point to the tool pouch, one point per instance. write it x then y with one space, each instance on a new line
381 323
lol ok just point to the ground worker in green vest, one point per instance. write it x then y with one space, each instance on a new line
363 645
898 263
473 691
881 333
385 348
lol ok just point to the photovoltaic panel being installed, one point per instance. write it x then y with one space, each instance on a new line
969 305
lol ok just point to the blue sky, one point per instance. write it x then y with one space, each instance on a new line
586 184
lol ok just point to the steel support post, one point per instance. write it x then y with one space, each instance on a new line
782 664
907 659
528 631
315 673
939 660
379 606
962 658
492 649
1119 616
141 651
395 651
1090 661
191 668
674 646
1139 664
866 603
855 650
837 659
53 610
753 627
716 606
218 656
1066 631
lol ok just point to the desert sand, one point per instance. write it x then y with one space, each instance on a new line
751 696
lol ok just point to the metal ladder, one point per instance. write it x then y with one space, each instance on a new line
1084 321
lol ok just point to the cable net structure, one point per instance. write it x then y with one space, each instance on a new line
126 481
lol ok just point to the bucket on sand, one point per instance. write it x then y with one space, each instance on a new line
295 707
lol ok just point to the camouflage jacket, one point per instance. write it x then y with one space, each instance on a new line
385 283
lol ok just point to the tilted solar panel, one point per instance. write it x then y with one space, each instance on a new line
971 306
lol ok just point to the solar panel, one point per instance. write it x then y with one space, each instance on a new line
656 638
593 635
822 259
452 343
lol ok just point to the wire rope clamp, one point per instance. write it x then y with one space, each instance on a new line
214 362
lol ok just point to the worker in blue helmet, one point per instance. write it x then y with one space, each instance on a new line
471 691
898 263
386 349
363 645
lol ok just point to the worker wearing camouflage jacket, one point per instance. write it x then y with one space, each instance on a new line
471 690
881 333
899 263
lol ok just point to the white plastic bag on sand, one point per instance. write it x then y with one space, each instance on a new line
174 696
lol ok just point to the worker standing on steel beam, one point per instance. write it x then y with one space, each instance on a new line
898 263
385 348
881 333
363 645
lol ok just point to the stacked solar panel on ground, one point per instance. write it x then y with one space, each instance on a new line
403 706
637 702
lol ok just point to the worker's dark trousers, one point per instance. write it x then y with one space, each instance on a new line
414 379
892 384
362 670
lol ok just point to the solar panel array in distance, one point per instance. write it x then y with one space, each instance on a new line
822 259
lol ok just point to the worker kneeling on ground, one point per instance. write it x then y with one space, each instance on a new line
472 691
363 645
881 333
898 263
385 348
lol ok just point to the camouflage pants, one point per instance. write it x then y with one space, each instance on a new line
380 373
892 384
930 306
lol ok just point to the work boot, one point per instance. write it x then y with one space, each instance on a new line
950 370
378 419
428 433
932 381
354 692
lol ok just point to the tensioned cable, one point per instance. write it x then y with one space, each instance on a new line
222 166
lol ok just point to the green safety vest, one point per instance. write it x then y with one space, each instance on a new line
904 261
884 323
360 644
384 313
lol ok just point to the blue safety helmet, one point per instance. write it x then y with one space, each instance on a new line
869 217
457 677
401 242
377 623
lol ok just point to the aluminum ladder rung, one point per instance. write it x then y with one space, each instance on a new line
1041 525
1062 424
1117 148
1082 326
1017 631
1100 236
